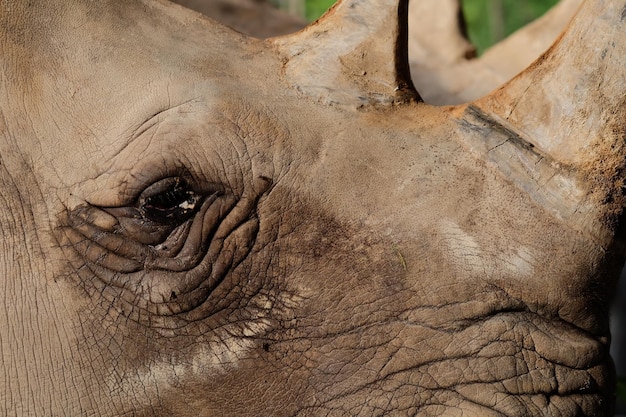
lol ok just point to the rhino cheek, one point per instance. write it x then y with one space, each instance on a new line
39 339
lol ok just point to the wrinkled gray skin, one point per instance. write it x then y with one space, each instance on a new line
189 229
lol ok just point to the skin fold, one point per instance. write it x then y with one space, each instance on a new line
199 223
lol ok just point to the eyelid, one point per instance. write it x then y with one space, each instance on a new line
159 187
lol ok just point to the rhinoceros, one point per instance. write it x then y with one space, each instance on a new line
199 223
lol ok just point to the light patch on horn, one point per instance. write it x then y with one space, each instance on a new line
555 187
468 257
465 254
519 261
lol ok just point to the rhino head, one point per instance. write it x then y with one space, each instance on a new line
200 223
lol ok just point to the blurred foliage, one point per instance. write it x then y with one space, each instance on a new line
488 21
621 388
316 8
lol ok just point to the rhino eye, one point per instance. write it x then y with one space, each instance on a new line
170 200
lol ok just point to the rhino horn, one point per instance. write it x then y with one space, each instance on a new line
567 100
558 129
356 54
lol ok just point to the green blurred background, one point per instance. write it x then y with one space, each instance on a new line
489 21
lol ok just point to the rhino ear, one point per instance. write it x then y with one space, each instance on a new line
356 54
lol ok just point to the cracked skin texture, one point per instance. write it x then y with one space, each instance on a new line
311 259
